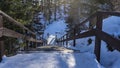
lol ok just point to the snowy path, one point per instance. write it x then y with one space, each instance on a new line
51 60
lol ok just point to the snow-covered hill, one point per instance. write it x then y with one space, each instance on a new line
57 28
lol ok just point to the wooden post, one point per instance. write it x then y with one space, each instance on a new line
26 42
66 40
42 5
98 40
74 41
90 24
10 47
59 41
1 48
55 7
30 42
35 43
26 47
1 40
63 41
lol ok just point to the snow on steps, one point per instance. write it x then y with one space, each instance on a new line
50 49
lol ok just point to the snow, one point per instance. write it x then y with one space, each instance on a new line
111 25
109 59
57 28
51 60
51 39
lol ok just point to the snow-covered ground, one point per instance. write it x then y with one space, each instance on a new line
57 28
51 60
109 59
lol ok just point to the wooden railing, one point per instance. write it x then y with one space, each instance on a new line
6 32
93 30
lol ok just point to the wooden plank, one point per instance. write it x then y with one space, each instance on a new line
13 34
95 14
109 13
32 39
86 20
81 35
15 22
1 32
114 43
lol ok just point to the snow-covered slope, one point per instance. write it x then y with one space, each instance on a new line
111 25
57 28
109 59
51 39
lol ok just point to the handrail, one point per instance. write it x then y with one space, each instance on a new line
13 21
5 32
96 13
113 42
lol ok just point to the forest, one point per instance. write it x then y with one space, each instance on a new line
58 22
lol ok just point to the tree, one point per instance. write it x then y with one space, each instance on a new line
22 11
81 9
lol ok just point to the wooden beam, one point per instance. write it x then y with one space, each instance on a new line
109 13
101 13
81 35
86 20
15 22
114 43
32 39
1 31
10 33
